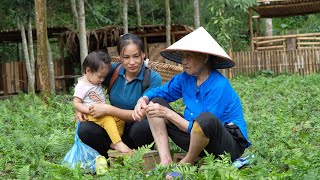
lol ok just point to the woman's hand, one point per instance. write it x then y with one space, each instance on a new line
80 117
99 110
139 110
156 110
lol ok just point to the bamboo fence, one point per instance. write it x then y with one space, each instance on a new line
302 62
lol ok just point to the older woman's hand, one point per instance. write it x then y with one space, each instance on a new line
80 117
139 112
99 110
156 110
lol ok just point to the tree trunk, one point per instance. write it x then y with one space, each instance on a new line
268 24
42 52
196 14
82 31
168 23
125 16
31 77
268 27
51 68
138 12
74 12
30 46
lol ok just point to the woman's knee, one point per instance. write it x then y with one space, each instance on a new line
159 100
162 102
208 123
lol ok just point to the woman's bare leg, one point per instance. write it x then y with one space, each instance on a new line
198 141
160 135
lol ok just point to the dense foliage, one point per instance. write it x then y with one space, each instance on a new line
282 115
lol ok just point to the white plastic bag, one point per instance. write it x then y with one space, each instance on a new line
81 153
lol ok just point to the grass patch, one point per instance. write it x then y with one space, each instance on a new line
282 115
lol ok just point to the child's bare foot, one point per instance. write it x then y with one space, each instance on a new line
122 147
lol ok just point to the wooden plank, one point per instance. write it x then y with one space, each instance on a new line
25 77
317 60
249 62
3 78
314 61
246 63
8 75
289 60
16 77
307 63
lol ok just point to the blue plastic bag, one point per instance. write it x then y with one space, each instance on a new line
81 153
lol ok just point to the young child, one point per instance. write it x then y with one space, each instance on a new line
89 91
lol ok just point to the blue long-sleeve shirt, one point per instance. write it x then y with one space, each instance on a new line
215 95
125 94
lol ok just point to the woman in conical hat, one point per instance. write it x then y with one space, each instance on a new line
213 118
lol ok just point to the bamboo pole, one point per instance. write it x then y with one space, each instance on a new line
288 36
318 59
289 57
309 38
308 43
270 41
309 61
251 30
270 48
16 82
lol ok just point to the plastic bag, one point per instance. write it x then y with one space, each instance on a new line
81 153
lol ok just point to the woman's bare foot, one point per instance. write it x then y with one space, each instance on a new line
185 160
122 147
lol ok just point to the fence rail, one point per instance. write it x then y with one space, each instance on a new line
287 42
303 62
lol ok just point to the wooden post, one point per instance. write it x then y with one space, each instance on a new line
4 79
62 66
251 30
145 46
16 77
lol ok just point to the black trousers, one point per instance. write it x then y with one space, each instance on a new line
222 138
96 137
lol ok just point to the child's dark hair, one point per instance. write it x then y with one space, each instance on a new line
126 39
95 60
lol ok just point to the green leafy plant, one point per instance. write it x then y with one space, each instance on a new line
282 115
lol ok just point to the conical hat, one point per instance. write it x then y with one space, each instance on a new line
202 42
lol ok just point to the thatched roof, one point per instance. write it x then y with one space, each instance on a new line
285 8
14 35
108 36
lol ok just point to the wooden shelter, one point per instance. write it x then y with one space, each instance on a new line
154 37
280 9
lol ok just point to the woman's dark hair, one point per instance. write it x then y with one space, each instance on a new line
95 60
126 39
